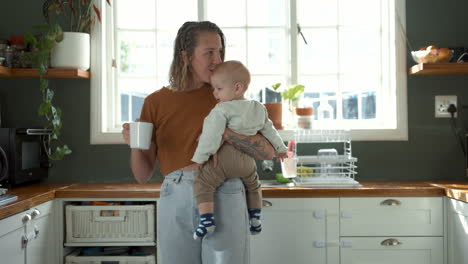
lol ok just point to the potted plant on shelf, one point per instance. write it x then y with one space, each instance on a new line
42 45
81 15
274 106
290 96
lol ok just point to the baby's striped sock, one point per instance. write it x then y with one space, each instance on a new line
255 222
206 225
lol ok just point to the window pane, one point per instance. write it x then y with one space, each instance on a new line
360 51
259 83
359 82
364 13
320 55
135 14
137 53
124 107
267 52
350 106
136 85
165 51
266 12
137 104
317 13
236 45
368 105
226 13
319 83
172 14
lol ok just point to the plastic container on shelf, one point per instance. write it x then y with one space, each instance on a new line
325 111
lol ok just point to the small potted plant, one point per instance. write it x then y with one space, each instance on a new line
290 96
274 106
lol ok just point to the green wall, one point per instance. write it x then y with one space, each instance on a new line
431 153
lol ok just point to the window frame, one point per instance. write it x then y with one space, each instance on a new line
101 80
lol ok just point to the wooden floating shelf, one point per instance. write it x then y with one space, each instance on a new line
61 73
449 68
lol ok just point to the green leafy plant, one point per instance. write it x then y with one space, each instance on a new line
81 15
293 93
43 44
276 86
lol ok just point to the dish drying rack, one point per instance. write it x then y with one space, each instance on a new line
335 170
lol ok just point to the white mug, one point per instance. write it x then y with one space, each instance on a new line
140 135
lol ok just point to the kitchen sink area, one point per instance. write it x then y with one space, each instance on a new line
274 183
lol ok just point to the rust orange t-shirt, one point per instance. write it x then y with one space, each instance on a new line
178 122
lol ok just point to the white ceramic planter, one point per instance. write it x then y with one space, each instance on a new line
72 52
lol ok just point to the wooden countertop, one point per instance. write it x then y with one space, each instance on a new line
32 195
29 196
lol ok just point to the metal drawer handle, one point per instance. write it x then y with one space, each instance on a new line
266 203
24 241
390 242
390 202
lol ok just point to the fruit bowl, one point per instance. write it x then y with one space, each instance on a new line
432 55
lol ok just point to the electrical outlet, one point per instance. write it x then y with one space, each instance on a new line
442 103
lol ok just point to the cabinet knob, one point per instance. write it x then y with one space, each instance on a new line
35 213
26 218
391 242
266 203
390 202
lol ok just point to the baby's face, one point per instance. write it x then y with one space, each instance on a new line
223 91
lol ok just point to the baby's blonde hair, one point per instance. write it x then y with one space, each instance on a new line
233 72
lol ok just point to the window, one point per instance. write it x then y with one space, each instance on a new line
353 63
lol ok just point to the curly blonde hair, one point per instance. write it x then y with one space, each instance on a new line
180 75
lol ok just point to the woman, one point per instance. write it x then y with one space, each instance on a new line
177 112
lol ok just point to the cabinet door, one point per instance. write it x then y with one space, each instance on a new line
401 250
11 240
392 216
41 247
457 231
299 231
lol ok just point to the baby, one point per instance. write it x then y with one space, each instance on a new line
230 81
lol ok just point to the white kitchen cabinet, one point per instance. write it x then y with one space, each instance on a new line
391 216
457 231
391 250
384 230
297 230
28 237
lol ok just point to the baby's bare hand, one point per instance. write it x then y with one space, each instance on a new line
281 156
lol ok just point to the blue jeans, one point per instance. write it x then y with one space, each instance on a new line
178 217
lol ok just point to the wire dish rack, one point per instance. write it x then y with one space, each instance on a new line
330 167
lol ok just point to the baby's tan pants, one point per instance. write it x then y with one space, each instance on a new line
232 163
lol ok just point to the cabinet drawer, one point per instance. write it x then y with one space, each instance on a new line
391 216
120 223
75 258
390 250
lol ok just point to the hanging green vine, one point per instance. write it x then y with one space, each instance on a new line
43 43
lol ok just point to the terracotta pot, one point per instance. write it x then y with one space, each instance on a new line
275 114
304 111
